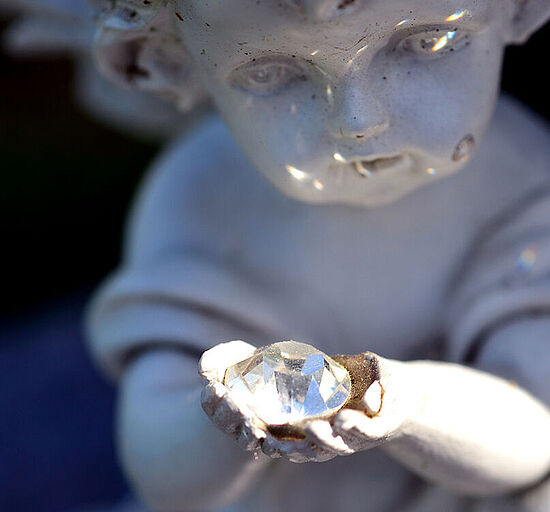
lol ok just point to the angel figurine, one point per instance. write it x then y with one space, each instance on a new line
367 194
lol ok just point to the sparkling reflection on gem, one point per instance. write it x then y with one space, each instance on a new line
288 382
402 22
431 171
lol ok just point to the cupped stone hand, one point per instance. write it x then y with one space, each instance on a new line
235 419
370 422
375 413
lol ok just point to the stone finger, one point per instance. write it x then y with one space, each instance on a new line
373 398
354 427
250 437
323 435
228 416
270 447
298 451
312 453
211 396
213 362
283 447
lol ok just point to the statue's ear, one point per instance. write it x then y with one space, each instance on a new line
530 16
137 49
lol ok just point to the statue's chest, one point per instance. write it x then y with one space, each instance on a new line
361 286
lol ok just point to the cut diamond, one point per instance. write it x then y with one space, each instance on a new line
288 382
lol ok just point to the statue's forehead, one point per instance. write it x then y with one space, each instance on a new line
243 13
265 22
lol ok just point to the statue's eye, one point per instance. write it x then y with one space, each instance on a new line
434 44
266 76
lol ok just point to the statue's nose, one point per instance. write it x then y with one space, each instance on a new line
356 112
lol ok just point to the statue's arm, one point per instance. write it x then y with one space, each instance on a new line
148 325
462 428
468 430
173 455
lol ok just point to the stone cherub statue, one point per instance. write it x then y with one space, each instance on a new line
403 221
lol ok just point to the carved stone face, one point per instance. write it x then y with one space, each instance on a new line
356 102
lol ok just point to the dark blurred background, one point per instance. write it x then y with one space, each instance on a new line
67 182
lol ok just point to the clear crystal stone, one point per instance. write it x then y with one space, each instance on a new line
288 382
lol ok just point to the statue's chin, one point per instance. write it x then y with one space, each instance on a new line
364 195
361 183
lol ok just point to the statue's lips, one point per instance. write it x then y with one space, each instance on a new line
371 167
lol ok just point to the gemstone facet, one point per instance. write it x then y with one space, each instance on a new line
288 382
